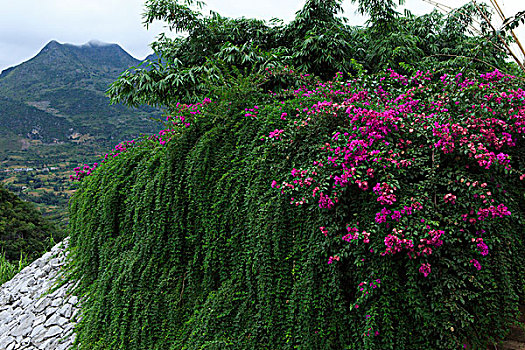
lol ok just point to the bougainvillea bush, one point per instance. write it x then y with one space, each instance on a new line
384 212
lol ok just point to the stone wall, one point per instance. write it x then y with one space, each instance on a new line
32 318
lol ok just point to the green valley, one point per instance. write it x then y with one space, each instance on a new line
54 116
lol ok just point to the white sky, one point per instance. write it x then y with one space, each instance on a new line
27 25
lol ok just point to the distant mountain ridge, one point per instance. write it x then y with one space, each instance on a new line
69 83
55 115
58 65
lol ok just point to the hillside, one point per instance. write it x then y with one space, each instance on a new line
54 115
69 82
90 66
31 122
23 229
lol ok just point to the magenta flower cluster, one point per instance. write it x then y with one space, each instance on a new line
388 133
182 119
86 170
425 269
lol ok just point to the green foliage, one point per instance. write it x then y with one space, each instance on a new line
514 21
205 245
188 246
23 230
183 241
381 12
9 269
54 114
318 41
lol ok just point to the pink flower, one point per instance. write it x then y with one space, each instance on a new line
276 134
449 197
425 269
476 264
332 259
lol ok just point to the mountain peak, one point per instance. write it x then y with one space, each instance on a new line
96 43
63 64
52 44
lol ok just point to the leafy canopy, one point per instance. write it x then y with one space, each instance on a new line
318 41
23 230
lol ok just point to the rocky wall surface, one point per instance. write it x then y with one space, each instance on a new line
32 317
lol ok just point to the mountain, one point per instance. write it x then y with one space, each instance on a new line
31 122
54 115
91 66
69 82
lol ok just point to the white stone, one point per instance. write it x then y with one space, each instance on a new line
26 270
25 301
4 329
73 300
6 298
49 344
39 320
64 346
38 330
31 281
25 326
47 283
54 330
21 330
31 322
9 326
41 304
39 274
6 315
56 302
54 262
50 310
46 256
4 307
66 310
40 339
68 329
62 321
53 320
21 287
5 341
16 312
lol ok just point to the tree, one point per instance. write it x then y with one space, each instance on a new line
23 230
318 41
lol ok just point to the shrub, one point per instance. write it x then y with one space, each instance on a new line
384 212
7 270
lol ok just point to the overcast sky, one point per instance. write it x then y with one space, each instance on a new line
27 25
